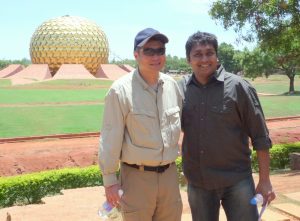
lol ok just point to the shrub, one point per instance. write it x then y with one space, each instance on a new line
178 162
279 156
31 188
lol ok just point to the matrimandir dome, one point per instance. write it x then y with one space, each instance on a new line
69 40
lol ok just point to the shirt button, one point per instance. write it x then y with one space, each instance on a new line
201 151
201 119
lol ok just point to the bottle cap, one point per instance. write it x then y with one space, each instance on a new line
107 206
258 198
253 201
120 192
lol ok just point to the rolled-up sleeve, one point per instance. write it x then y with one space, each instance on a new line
111 138
254 120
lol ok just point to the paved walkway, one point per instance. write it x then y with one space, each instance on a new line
82 204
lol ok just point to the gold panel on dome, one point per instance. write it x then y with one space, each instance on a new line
69 40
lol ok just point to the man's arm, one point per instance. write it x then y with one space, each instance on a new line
111 140
255 124
264 185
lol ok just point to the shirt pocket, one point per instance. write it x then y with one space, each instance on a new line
223 112
142 129
174 125
222 107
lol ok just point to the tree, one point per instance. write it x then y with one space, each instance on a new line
175 63
172 63
257 63
130 62
4 63
228 58
275 24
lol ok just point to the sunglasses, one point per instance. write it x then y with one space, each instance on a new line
153 51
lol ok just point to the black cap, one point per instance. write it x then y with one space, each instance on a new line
143 36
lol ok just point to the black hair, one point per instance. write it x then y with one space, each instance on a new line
201 38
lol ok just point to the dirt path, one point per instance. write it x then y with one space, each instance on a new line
39 155
52 104
82 204
284 130
52 153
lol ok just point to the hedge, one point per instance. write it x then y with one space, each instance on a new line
279 155
31 188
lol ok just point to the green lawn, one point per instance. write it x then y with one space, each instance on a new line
274 84
4 82
76 82
280 106
13 95
33 121
36 111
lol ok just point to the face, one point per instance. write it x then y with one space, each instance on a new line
204 61
151 57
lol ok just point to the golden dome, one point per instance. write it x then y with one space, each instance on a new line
69 40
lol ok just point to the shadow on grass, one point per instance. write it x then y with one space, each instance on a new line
293 93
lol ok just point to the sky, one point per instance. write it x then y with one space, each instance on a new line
120 20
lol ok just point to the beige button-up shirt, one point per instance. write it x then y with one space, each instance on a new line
140 125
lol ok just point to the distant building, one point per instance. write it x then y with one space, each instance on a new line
176 72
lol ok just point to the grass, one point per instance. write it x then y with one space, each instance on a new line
274 84
4 82
55 91
12 95
36 113
280 106
76 82
33 121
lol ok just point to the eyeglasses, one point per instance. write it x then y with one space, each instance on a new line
153 51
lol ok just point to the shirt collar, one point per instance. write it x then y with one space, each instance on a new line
220 73
143 82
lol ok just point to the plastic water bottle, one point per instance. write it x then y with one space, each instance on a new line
258 199
110 213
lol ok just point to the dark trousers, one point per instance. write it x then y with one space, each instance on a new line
235 200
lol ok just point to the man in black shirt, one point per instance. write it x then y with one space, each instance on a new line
221 112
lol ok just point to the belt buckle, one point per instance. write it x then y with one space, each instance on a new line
141 168
160 169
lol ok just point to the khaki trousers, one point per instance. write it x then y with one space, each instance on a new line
150 196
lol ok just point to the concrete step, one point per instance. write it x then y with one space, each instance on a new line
289 208
268 215
294 196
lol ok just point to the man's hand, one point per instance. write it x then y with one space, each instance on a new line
264 186
112 195
265 189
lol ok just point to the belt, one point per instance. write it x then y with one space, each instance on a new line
158 169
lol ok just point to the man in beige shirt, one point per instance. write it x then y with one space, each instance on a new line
141 128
